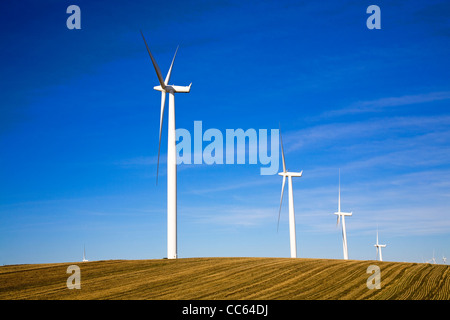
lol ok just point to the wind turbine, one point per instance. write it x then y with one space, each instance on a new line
444 259
164 87
379 246
289 175
343 215
432 260
84 254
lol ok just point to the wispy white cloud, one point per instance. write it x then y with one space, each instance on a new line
383 103
412 201
230 186
381 132
231 215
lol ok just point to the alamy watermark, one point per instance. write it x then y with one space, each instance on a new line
74 20
236 146
374 280
74 280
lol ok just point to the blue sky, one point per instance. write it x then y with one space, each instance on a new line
79 123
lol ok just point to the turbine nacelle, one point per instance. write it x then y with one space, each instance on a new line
290 174
173 89
343 213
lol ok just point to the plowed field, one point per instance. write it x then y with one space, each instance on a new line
226 278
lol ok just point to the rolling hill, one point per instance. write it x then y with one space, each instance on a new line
226 279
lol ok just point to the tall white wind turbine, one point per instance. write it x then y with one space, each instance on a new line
164 87
289 175
340 214
379 246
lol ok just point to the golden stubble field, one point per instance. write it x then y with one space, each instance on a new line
226 279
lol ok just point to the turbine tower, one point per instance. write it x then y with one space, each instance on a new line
379 246
289 175
343 215
164 87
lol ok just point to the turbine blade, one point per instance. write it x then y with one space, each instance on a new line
163 102
338 220
282 152
281 200
166 82
155 65
339 199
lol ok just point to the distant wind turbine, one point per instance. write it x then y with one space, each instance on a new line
432 260
289 175
343 215
164 87
379 246
444 259
84 254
